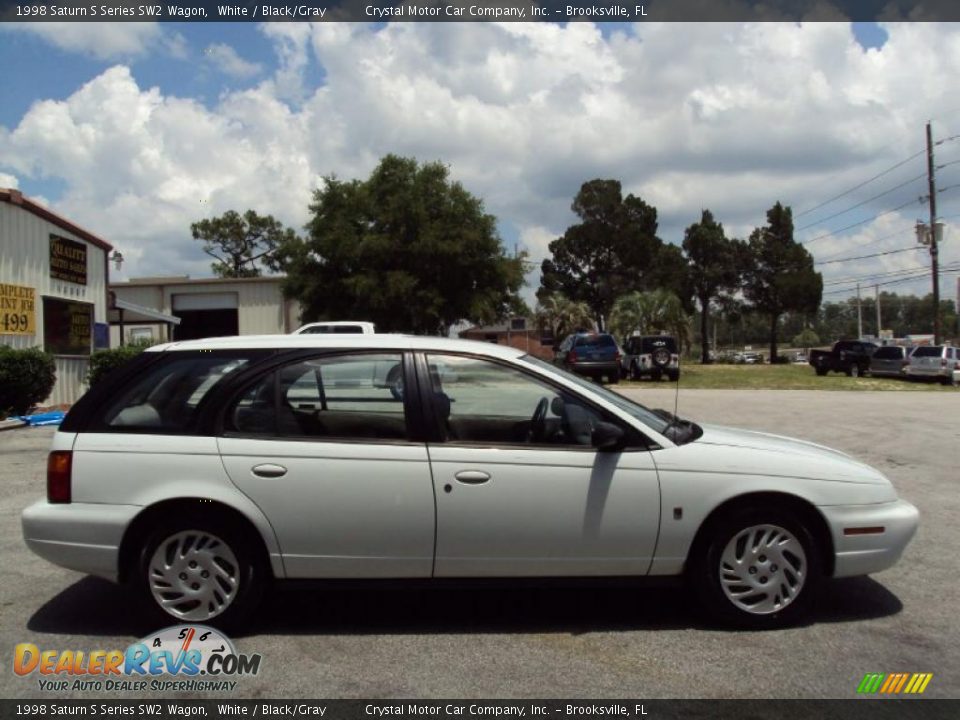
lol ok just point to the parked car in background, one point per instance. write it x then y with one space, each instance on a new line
890 361
206 470
337 327
748 358
595 355
650 356
935 362
847 356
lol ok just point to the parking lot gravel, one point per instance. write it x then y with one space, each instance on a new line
576 642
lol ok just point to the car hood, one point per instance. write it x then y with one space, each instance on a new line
753 452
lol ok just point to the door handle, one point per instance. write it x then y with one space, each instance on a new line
472 477
269 470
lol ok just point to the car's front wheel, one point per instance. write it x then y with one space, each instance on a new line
201 570
760 569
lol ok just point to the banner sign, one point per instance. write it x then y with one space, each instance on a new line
68 260
18 314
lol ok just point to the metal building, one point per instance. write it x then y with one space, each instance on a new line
53 289
187 308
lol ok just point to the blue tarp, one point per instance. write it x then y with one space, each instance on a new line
48 418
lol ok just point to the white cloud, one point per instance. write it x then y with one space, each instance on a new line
9 182
103 40
226 59
726 117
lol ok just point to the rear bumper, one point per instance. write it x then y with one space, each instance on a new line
605 367
78 536
865 554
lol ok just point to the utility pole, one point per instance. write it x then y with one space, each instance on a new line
933 238
876 289
859 315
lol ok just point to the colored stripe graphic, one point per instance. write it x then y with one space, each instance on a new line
894 683
870 683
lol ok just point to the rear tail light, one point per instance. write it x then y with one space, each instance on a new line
59 465
571 357
616 356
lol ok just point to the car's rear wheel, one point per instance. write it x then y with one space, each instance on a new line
200 570
656 375
760 569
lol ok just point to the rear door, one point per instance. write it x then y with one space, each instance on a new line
325 451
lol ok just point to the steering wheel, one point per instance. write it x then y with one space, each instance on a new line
538 424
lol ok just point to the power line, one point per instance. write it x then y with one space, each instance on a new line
948 270
868 200
862 222
870 276
857 187
863 257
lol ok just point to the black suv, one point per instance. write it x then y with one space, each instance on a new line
592 354
651 355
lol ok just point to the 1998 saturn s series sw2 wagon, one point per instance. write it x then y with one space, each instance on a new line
205 470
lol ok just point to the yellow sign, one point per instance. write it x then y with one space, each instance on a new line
18 315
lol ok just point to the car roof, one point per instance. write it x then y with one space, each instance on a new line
375 341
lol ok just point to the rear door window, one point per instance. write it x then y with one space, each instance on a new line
928 351
889 353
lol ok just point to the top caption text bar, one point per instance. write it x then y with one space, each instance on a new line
556 11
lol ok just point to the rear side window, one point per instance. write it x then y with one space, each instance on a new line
165 400
349 397
928 351
889 353
596 341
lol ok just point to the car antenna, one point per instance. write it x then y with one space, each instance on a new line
676 395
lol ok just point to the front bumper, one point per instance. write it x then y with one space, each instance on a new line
864 554
78 536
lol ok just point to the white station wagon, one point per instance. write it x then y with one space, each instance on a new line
205 470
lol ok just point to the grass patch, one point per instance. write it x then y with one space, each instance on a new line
783 377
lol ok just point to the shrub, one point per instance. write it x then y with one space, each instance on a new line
26 377
103 362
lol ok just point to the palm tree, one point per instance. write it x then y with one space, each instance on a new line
562 316
650 313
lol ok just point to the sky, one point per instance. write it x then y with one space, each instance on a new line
136 130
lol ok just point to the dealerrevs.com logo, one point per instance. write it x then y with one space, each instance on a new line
186 658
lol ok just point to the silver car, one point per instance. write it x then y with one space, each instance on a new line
207 469
935 362
890 361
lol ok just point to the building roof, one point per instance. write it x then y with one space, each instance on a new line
133 313
15 197
187 280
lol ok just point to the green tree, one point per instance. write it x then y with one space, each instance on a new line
713 264
780 277
241 244
612 250
407 249
561 316
650 313
806 339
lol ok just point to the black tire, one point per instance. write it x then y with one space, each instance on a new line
705 569
614 377
250 572
821 371
656 375
674 376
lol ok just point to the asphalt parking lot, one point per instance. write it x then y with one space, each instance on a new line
609 642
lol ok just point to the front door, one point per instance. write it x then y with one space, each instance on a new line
520 489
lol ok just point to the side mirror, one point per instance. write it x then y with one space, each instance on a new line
607 437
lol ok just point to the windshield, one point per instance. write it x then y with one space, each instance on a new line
645 415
